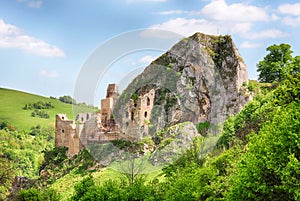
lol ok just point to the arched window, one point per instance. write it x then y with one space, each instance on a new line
132 116
145 114
62 130
148 101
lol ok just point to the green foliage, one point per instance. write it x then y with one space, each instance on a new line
257 87
25 151
21 154
257 112
191 158
38 105
221 49
67 99
34 194
6 125
114 190
40 113
134 96
277 64
202 127
207 181
31 194
270 168
7 173
57 164
228 135
81 189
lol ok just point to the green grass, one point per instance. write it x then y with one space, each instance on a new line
12 102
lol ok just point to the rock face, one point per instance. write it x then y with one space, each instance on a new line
173 142
198 80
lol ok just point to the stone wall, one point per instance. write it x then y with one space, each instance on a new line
83 117
67 134
138 114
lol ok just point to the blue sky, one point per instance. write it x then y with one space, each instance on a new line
44 43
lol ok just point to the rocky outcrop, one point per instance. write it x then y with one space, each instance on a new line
197 80
173 142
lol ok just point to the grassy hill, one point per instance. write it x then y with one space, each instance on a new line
12 102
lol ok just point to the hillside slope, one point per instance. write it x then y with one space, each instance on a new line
13 101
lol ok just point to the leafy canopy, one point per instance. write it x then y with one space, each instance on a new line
278 63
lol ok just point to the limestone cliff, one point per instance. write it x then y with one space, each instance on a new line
198 80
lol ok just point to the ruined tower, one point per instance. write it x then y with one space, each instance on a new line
112 91
108 102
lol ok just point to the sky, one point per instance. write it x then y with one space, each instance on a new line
45 44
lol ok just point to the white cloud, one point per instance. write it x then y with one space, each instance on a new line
293 10
35 4
188 27
239 12
290 9
147 59
173 12
50 74
275 17
270 33
248 45
13 37
32 3
291 21
220 18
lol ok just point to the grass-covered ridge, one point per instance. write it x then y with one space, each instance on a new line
12 103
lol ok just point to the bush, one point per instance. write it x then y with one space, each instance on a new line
38 105
7 125
40 113
67 99
34 194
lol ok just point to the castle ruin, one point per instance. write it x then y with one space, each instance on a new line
101 127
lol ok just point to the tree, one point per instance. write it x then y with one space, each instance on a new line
277 64
82 187
132 168
67 99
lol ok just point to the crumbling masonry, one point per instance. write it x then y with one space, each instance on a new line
101 127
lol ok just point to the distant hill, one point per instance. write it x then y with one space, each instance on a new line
12 102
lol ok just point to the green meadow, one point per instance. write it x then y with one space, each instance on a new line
12 102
